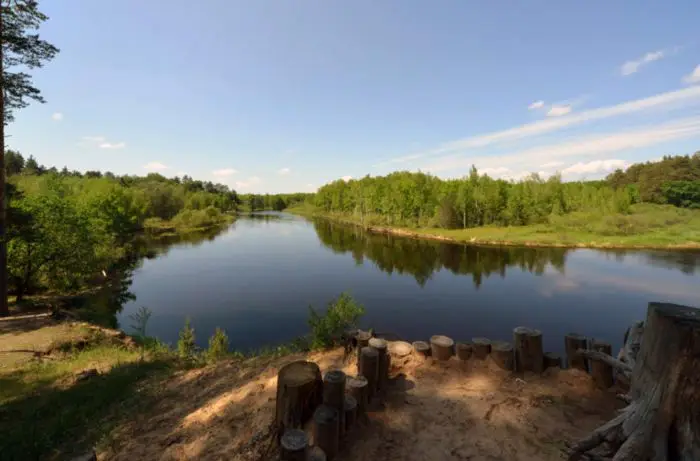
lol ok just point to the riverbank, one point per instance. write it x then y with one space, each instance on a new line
89 388
645 227
188 222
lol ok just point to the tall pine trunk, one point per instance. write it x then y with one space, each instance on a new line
3 242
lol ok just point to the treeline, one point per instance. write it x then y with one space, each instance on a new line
274 202
419 199
66 229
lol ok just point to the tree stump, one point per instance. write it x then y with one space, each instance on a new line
464 351
441 347
293 445
350 409
601 372
502 354
529 355
316 454
400 349
327 430
662 421
357 387
299 391
422 349
363 338
552 360
572 343
380 345
481 347
334 393
369 368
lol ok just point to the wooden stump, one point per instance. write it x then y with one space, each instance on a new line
572 343
422 349
334 393
369 368
327 430
294 445
380 345
601 372
529 355
502 354
400 349
441 347
299 391
350 409
536 351
552 360
482 348
662 421
316 454
357 387
363 338
464 351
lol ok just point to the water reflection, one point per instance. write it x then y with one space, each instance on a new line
422 258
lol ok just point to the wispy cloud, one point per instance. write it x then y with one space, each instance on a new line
57 116
536 105
594 167
682 97
155 166
224 172
558 111
94 139
248 183
693 77
284 171
631 67
112 145
549 165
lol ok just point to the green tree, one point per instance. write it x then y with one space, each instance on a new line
327 328
20 46
14 163
186 342
218 345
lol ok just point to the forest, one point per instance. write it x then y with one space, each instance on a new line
422 200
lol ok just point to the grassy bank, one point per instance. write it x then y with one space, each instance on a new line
645 226
188 221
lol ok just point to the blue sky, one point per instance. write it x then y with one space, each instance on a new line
280 96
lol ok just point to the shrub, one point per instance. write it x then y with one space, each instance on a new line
342 313
218 345
186 343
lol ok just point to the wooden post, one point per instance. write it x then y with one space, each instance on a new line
400 348
316 454
350 409
482 348
464 351
441 347
363 338
552 360
327 430
357 387
502 354
422 349
521 338
293 445
299 391
601 372
334 394
380 345
572 343
369 368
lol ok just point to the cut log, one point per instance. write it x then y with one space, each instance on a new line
400 349
350 409
441 347
316 454
327 430
381 346
293 445
334 393
663 420
502 354
464 351
369 368
526 349
362 338
299 391
422 349
552 360
572 343
536 351
601 372
357 387
482 348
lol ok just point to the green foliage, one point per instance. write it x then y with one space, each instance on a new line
140 322
682 193
186 343
341 314
218 345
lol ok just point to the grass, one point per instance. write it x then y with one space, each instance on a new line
188 221
646 226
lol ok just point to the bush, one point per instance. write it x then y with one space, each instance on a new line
186 343
218 345
341 314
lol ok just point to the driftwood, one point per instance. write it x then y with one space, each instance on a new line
662 422
441 347
299 391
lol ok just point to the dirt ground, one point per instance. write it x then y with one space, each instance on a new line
434 411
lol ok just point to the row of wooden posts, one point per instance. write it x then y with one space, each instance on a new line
337 401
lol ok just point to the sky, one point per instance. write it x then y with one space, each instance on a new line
284 96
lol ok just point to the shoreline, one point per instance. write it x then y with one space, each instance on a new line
426 234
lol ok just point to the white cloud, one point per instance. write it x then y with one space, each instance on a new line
661 102
224 172
631 67
536 105
110 145
346 178
558 111
496 171
693 77
252 181
595 167
155 166
551 165
284 171
57 116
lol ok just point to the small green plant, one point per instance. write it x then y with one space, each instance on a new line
186 343
327 329
218 345
140 320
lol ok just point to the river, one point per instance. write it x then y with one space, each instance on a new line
257 278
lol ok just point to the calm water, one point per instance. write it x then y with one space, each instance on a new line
257 278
